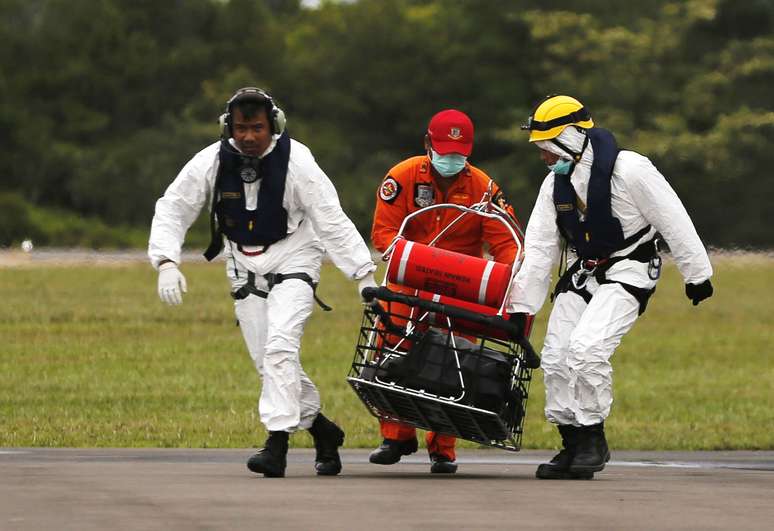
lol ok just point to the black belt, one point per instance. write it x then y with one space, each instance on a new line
645 252
273 279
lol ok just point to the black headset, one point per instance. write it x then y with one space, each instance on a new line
275 114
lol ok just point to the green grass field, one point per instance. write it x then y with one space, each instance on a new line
91 357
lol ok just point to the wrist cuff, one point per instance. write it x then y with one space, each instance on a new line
167 264
365 271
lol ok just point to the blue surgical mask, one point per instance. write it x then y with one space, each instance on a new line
561 167
447 165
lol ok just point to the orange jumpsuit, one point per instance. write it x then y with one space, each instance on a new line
411 185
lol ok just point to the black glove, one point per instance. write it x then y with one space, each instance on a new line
520 320
531 358
699 292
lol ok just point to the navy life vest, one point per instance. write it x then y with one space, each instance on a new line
600 234
265 225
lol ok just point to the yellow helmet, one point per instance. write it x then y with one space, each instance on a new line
555 113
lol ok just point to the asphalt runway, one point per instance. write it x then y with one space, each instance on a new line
173 489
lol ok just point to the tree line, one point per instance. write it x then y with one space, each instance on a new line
104 100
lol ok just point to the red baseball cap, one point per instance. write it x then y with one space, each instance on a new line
451 131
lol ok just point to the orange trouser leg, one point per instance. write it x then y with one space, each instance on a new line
397 431
400 313
441 444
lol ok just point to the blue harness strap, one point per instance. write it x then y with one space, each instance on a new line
600 234
265 225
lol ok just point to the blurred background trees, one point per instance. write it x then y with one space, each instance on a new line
104 100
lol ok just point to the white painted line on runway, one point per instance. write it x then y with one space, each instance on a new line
505 460
662 464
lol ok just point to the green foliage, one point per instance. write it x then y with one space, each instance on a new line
17 225
113 97
60 228
95 359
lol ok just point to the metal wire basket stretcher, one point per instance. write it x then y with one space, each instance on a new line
434 350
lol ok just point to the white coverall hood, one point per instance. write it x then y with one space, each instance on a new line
573 139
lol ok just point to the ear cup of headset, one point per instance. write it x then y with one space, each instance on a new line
279 120
224 125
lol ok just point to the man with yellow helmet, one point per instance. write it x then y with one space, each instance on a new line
605 211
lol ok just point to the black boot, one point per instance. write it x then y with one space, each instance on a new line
391 451
272 459
442 464
327 439
592 452
559 466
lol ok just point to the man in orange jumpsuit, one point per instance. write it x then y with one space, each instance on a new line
442 175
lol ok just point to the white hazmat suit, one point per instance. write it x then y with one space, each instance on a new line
581 337
272 327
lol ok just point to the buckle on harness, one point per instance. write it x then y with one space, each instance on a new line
247 290
586 270
591 265
275 278
654 268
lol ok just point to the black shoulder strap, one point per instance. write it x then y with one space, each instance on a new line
216 237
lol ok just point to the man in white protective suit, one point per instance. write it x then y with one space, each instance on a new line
602 212
274 213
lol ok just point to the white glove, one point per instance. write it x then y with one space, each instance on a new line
171 283
367 281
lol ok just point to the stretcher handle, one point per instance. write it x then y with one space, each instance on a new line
514 331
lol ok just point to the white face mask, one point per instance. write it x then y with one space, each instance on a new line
447 165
